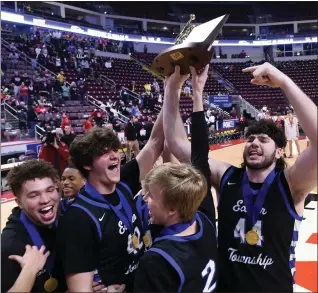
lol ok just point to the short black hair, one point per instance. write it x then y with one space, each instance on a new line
270 128
85 148
30 170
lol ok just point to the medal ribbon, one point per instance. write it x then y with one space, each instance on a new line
126 219
176 228
254 211
37 240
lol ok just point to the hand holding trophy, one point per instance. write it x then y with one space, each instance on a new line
193 47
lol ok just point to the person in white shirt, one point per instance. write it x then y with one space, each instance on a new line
37 51
292 132
187 91
212 122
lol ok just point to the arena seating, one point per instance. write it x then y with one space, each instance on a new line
304 73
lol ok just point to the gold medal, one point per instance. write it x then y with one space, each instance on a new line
147 241
252 237
134 240
50 285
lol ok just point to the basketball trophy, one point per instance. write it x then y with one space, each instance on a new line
193 47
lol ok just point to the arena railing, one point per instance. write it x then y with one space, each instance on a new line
10 110
99 104
39 132
248 107
25 57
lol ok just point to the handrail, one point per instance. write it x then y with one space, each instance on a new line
107 79
30 60
97 103
131 93
38 133
146 64
6 105
249 107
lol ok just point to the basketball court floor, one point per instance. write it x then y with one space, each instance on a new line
306 250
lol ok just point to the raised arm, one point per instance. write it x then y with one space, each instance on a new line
175 135
200 140
153 148
302 176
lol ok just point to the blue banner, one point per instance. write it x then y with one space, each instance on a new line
221 101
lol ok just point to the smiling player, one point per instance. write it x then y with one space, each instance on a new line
32 223
103 230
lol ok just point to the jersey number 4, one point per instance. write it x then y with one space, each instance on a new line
209 271
240 231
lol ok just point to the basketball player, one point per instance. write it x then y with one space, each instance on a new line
72 181
103 235
292 132
257 241
32 223
184 257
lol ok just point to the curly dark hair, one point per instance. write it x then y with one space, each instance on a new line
96 142
30 170
269 127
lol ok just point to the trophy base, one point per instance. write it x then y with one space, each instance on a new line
185 57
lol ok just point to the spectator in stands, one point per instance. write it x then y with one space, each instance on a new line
60 77
37 51
73 91
187 91
32 118
98 116
16 82
123 95
68 136
56 153
65 120
233 113
132 86
131 132
212 122
14 57
147 87
22 116
24 93
148 127
156 87
87 124
5 128
82 90
268 115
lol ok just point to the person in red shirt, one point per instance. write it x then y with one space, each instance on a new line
65 121
24 93
56 153
41 109
87 124
99 116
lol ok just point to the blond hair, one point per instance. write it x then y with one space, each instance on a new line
183 187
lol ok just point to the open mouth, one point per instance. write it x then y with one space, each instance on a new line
254 153
47 213
113 167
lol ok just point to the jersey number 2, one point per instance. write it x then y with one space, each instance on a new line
209 271
240 231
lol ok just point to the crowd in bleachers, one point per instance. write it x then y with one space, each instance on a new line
45 72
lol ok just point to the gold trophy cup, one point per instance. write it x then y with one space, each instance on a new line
193 47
